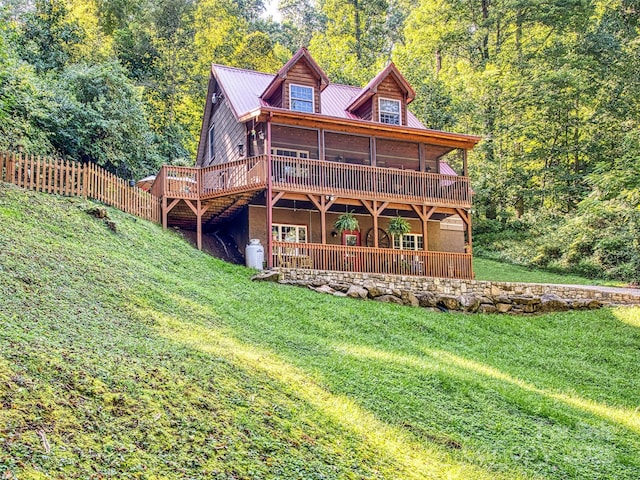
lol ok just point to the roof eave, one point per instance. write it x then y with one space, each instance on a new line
458 140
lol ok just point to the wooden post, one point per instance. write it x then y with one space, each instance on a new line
323 219
269 202
164 212
465 167
376 240
199 223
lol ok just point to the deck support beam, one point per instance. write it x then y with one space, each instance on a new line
375 212
425 214
322 204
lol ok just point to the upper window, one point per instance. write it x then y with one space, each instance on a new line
389 111
301 98
212 150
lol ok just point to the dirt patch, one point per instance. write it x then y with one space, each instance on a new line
217 245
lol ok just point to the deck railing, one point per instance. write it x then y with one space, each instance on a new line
62 177
241 175
314 176
372 260
375 183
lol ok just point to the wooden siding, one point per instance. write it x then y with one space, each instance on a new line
390 89
291 138
365 112
352 149
302 74
228 134
394 154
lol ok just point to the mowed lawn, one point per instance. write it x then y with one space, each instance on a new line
133 355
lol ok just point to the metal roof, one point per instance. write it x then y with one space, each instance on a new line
243 89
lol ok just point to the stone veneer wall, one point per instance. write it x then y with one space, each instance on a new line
395 285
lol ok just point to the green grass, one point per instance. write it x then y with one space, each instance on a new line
135 356
487 269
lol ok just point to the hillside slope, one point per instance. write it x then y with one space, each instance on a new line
130 354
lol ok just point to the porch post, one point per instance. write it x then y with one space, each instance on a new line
375 224
269 200
199 224
323 219
164 212
465 169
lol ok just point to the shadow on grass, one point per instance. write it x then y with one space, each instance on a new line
410 458
534 395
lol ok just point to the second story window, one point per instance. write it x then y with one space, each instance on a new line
301 98
212 145
389 111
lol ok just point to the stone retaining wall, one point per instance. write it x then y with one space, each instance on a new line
463 295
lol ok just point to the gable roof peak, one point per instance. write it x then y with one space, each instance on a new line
302 53
372 87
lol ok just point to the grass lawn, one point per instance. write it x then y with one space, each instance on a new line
487 269
132 355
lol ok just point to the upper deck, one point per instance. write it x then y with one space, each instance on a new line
318 177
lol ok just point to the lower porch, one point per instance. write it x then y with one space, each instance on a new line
343 258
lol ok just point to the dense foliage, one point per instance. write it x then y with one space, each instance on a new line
553 87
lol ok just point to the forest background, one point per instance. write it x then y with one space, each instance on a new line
552 86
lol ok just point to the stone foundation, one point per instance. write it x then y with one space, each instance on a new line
460 295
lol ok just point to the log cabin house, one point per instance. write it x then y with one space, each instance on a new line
282 156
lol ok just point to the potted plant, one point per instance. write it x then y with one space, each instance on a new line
398 226
346 222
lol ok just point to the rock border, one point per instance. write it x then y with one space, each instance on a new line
435 294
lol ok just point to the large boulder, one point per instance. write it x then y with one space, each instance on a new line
470 303
503 307
323 289
356 291
388 299
525 300
267 276
550 302
409 298
374 291
450 302
427 300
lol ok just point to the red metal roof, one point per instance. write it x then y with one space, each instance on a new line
243 89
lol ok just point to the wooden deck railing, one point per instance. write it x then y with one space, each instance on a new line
375 183
372 260
314 176
209 182
61 177
241 175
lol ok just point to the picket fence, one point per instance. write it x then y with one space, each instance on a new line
69 178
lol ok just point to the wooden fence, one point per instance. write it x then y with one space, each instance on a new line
62 177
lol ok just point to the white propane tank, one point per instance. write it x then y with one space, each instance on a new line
254 253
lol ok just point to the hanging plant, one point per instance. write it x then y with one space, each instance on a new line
346 222
398 226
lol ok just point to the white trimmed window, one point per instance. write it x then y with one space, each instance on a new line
389 111
285 152
289 233
301 98
408 241
211 143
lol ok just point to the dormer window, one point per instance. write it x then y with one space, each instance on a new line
389 111
301 98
